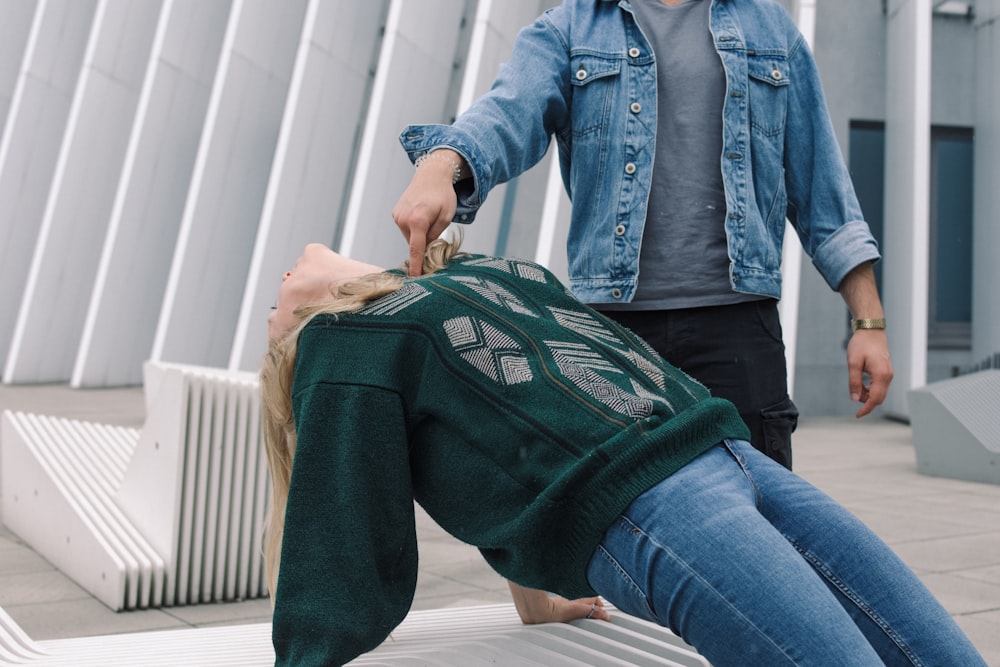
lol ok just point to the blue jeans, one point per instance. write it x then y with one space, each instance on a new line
752 565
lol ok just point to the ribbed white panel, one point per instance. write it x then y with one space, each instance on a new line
172 516
461 637
57 484
15 646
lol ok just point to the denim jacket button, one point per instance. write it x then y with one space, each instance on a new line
633 52
619 230
630 168
616 293
776 74
581 74
635 107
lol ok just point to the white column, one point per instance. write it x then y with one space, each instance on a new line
149 202
14 30
29 148
986 268
223 207
907 215
505 213
50 321
792 252
412 85
316 156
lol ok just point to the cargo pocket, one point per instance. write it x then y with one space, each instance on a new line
778 423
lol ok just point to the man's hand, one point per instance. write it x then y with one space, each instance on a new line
868 352
534 606
428 204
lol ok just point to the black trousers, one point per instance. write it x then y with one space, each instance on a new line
737 352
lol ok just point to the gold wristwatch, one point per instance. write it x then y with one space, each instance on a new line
868 324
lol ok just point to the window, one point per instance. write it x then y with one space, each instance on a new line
950 306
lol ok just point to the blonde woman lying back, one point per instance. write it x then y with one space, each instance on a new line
570 454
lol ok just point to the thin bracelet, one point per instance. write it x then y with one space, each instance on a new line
456 167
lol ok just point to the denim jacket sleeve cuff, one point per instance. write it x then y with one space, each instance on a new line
850 245
419 139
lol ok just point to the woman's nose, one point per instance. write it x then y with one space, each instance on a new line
288 274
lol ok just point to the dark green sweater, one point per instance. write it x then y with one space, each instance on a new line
522 421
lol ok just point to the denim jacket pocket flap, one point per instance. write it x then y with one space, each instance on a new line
587 68
772 70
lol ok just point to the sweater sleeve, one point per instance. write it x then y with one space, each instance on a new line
349 552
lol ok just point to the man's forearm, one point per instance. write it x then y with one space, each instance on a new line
860 293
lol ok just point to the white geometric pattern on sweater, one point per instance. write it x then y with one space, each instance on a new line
518 268
582 370
580 354
585 324
390 304
642 392
648 368
488 349
495 293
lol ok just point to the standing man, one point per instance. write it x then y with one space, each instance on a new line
687 131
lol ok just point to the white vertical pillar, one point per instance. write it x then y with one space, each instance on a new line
986 269
553 227
791 252
50 321
14 30
415 70
149 203
223 208
29 148
315 159
907 214
496 26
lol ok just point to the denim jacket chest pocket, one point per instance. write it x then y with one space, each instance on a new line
769 77
594 81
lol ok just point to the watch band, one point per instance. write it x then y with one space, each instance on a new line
868 324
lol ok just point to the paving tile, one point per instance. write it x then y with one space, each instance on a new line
962 596
17 558
36 587
982 631
251 611
952 554
989 575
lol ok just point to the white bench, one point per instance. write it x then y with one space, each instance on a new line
458 637
169 514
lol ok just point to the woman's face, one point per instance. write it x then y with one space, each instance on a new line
313 279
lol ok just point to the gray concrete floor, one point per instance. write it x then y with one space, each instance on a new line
948 531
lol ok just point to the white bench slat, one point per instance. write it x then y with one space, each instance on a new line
169 514
79 535
456 637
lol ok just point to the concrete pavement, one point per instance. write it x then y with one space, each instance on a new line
948 531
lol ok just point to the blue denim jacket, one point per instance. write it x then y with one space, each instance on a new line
585 74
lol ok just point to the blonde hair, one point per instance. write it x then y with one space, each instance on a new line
277 375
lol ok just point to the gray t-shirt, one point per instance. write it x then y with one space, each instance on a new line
684 260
